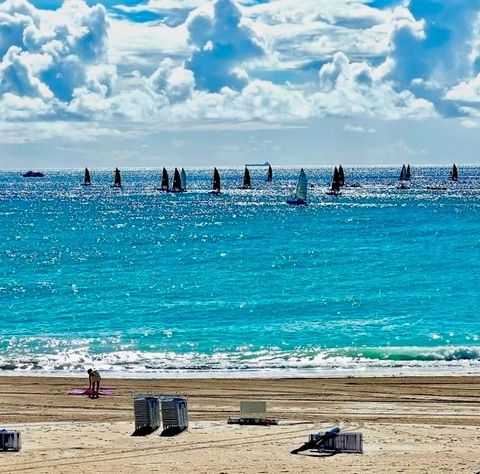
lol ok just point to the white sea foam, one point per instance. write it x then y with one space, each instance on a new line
271 362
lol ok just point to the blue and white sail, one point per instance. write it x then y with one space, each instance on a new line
301 192
300 196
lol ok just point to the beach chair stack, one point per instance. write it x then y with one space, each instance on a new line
10 440
253 412
341 443
174 414
147 413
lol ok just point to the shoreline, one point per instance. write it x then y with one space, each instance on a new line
460 370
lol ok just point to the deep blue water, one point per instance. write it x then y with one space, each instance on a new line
136 280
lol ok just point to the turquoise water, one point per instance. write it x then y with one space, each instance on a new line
138 281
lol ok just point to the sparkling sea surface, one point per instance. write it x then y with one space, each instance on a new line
136 281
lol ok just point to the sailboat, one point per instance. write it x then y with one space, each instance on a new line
335 190
183 180
300 196
164 185
86 180
216 182
341 175
454 173
408 174
269 174
118 180
177 182
247 184
403 178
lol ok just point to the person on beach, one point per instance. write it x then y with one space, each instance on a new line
94 379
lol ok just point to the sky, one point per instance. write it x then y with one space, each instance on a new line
224 82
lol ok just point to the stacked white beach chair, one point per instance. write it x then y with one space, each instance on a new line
174 413
147 413
333 441
347 442
10 440
151 412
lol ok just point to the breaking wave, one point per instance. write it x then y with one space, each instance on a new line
245 362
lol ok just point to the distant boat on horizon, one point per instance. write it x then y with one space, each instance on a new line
258 164
177 182
454 173
164 186
86 179
33 174
118 180
216 188
335 188
247 183
269 174
183 180
341 176
300 196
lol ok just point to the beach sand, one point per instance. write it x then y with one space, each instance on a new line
410 425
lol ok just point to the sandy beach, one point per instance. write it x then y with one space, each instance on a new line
413 424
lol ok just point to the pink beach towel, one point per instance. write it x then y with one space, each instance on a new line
88 391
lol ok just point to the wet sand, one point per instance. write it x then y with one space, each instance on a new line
409 424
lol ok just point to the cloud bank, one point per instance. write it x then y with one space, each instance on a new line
239 61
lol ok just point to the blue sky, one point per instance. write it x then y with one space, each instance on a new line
202 82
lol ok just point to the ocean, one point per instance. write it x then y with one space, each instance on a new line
138 282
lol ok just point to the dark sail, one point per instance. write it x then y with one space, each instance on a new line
269 174
247 184
183 179
216 181
454 173
336 180
86 180
408 174
118 180
403 173
177 182
164 180
341 176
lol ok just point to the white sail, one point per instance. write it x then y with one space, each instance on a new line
301 192
183 179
